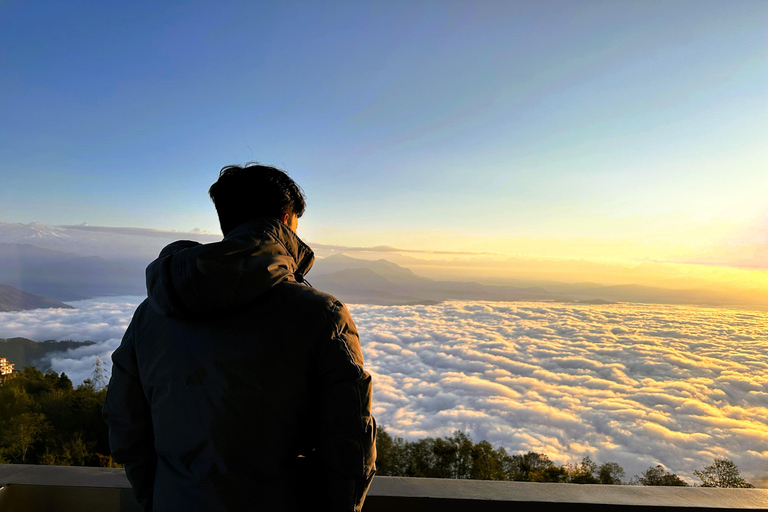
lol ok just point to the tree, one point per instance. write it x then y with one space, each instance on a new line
386 458
421 458
44 421
463 453
51 379
446 458
64 383
583 472
721 473
487 462
87 384
21 432
553 474
14 401
34 381
524 468
658 476
610 473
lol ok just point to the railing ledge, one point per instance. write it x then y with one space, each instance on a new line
37 485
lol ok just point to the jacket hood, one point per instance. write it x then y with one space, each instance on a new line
191 278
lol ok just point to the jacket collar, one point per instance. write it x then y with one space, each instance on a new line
270 228
192 278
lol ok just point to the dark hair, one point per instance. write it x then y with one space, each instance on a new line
251 191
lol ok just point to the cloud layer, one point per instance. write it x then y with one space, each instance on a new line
102 320
634 384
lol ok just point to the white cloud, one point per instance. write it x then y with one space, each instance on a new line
101 320
79 364
92 320
634 384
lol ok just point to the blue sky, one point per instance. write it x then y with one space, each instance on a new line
447 124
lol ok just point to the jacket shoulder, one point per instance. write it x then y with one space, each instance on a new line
306 295
313 302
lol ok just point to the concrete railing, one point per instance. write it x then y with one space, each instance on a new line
73 489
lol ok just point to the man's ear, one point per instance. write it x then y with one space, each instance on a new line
284 219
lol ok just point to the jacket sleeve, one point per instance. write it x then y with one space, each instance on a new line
346 451
127 413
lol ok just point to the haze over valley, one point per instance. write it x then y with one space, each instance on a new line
79 262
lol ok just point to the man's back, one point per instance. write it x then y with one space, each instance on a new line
242 386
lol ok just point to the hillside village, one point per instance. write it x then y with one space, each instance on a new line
6 369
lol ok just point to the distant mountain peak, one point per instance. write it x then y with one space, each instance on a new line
18 232
391 271
340 256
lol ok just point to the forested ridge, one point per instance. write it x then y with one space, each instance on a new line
457 456
24 352
44 419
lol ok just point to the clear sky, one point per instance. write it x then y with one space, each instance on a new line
491 126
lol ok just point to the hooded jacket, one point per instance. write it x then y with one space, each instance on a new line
239 387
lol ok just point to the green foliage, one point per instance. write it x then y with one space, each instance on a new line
610 473
487 462
21 433
531 467
583 472
24 352
551 474
446 458
44 420
722 473
458 457
462 466
658 476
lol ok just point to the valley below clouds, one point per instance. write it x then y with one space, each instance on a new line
638 384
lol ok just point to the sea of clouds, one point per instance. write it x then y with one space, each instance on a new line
102 320
636 384
631 383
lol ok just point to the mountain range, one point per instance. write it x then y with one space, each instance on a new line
382 282
65 276
386 283
69 263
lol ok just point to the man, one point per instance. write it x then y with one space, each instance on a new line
237 386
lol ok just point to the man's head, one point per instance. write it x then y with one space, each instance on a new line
252 191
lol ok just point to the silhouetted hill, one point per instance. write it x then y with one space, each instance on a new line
393 272
64 276
384 282
76 262
13 299
11 253
364 286
25 352
649 294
